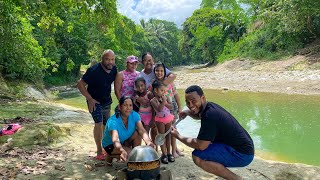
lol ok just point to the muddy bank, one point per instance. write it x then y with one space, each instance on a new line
291 76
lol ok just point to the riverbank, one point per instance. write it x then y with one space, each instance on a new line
71 157
291 76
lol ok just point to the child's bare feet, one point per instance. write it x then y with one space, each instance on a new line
175 155
179 152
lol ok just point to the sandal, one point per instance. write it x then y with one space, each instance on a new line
164 159
171 158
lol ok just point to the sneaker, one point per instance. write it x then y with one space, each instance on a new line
100 157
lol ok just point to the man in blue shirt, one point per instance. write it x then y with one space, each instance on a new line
222 142
95 85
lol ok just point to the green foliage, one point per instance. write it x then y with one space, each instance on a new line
206 32
21 55
162 37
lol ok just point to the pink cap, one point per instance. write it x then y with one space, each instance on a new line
131 59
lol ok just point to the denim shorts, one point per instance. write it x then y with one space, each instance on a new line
224 155
101 113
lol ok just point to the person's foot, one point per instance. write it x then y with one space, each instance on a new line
179 152
100 157
164 159
170 158
175 155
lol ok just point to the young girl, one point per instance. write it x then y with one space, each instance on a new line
173 95
145 111
163 118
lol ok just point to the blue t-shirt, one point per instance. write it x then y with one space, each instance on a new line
115 123
99 83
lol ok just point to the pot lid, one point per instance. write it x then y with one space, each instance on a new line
143 154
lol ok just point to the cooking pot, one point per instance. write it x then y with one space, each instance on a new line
143 158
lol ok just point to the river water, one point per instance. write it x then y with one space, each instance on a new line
283 127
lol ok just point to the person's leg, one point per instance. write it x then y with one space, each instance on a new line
106 115
216 157
215 168
134 140
97 116
97 134
168 137
174 144
161 130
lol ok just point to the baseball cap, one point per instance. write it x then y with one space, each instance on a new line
131 59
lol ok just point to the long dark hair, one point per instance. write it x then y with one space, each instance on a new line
160 65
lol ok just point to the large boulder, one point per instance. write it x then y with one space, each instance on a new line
33 93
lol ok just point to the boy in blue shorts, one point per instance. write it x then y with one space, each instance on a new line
222 142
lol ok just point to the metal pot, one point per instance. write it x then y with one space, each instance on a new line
143 158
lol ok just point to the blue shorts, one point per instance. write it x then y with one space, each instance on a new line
101 113
224 155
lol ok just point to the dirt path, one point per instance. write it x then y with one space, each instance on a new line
292 76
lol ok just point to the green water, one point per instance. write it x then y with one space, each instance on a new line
283 127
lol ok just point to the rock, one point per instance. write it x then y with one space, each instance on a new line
33 93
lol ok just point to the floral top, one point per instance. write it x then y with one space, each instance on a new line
127 88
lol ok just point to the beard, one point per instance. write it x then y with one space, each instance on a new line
108 66
200 109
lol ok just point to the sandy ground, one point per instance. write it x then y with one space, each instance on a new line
72 157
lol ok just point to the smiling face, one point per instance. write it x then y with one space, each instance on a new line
159 72
148 62
126 108
140 87
195 102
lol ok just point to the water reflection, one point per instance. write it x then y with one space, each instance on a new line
284 127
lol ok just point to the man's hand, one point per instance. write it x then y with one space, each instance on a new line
92 104
183 114
174 132
123 155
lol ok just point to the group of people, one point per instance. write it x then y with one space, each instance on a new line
149 104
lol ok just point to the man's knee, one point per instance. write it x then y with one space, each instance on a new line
196 160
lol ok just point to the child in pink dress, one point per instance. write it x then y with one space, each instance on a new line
163 118
172 94
145 111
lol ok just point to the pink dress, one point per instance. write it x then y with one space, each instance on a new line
127 88
164 116
146 111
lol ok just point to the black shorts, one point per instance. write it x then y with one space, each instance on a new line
109 148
